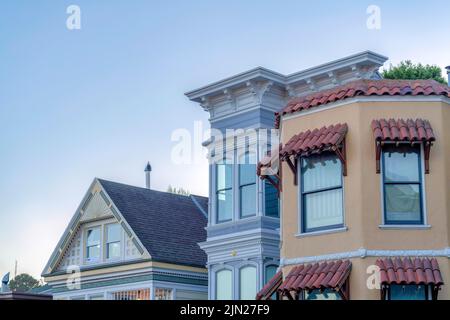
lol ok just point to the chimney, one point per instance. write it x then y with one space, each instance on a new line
148 170
448 74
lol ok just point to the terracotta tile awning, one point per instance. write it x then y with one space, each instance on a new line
400 130
385 87
331 138
269 165
315 141
270 287
409 271
324 275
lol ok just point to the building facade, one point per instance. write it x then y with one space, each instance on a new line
126 243
365 212
243 232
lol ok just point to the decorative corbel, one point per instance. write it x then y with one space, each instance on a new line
311 83
205 103
357 71
259 90
333 77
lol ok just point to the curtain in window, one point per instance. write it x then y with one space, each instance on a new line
402 184
224 285
321 192
247 283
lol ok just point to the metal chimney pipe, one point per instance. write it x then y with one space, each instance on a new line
148 170
448 74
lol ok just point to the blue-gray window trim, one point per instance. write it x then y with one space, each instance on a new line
420 184
240 186
304 229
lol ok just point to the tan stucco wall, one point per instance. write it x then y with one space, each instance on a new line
362 193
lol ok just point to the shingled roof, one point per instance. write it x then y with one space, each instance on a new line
365 88
170 226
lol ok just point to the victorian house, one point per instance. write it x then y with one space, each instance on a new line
131 243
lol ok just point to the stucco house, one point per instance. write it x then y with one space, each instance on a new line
364 170
123 244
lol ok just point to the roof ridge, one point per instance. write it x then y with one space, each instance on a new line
152 190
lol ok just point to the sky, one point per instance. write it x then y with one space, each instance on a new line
103 100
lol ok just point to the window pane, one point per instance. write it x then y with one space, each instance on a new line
327 294
323 209
407 292
224 285
247 283
271 200
113 250
93 252
93 237
247 169
113 233
248 200
270 273
401 164
403 202
224 176
224 205
322 171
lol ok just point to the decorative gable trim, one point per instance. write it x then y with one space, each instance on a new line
76 221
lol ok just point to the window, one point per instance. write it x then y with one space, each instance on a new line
224 191
93 244
163 294
113 235
408 292
224 285
321 192
247 185
247 283
271 201
402 184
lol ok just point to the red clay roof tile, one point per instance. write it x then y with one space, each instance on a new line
315 141
322 275
270 287
384 87
402 130
405 271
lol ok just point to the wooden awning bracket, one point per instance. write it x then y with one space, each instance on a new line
378 156
426 150
342 155
293 166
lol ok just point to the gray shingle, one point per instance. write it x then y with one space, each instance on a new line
170 226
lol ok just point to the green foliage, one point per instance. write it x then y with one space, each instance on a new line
179 191
23 283
408 71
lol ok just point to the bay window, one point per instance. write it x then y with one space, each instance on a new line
113 236
93 239
247 185
402 184
224 191
321 192
224 285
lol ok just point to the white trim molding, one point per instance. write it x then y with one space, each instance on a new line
364 253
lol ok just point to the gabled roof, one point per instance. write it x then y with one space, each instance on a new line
365 88
164 227
170 226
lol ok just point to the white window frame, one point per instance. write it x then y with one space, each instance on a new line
85 245
300 232
425 224
121 242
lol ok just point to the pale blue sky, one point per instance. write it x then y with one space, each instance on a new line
103 100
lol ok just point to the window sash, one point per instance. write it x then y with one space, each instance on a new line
252 198
403 182
304 194
224 188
